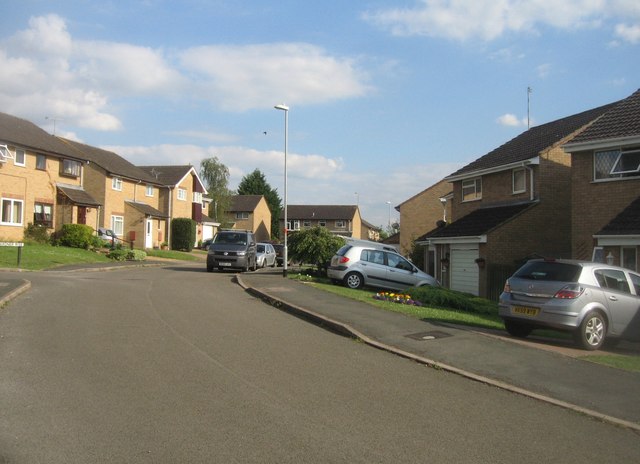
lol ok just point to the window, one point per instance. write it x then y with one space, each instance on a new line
149 190
242 215
399 262
182 194
42 214
20 158
116 183
616 164
197 197
613 280
519 181
340 225
629 258
293 225
12 211
306 224
373 256
70 168
117 225
322 223
41 162
472 189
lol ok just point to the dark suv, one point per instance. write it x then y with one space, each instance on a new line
232 249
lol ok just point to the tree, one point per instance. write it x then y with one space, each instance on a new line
314 246
215 175
256 184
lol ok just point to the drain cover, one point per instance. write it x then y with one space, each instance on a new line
433 335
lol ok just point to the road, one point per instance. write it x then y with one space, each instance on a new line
176 365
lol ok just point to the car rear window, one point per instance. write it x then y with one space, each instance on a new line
549 270
343 251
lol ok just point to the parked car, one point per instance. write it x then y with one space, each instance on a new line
357 265
108 236
593 301
205 244
279 253
266 255
232 249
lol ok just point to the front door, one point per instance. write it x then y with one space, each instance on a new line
148 236
82 214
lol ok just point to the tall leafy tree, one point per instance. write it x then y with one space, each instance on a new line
215 176
256 184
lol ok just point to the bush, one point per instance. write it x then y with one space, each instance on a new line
314 246
445 298
36 234
75 236
183 234
120 254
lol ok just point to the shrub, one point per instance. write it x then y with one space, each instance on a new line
314 246
120 254
36 234
445 298
75 236
183 234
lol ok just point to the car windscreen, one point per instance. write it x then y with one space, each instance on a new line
233 239
261 248
549 270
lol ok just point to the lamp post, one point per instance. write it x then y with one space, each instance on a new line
285 253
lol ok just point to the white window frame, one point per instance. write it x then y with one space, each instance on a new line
19 153
12 211
116 183
473 188
197 197
341 224
306 224
242 215
293 224
322 223
522 180
117 225
182 194
613 173
149 190
616 164
70 168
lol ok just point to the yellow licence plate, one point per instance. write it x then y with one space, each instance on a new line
525 311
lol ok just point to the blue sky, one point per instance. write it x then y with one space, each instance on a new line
386 97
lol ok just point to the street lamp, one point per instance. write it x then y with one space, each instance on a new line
285 253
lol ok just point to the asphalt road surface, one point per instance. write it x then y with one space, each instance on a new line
177 365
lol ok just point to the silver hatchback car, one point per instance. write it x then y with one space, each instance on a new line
356 266
593 301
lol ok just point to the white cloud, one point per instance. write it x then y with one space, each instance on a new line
511 120
490 19
48 72
543 70
628 33
245 77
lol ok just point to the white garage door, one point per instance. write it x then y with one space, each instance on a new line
464 270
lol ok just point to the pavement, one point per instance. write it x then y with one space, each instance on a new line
545 370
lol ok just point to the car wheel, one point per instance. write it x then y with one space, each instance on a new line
592 332
354 280
517 329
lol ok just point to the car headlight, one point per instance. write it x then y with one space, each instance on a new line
242 253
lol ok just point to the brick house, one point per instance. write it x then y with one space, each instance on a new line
182 196
251 212
422 212
342 220
41 182
605 217
130 198
510 204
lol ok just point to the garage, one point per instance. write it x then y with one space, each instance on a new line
464 270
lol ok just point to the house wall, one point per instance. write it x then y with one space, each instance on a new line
595 204
419 214
33 185
261 217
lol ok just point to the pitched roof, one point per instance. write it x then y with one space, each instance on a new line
167 175
623 120
108 160
529 144
26 134
147 210
77 195
625 223
331 212
244 202
480 221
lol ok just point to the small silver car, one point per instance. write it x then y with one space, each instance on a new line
358 265
593 301
266 255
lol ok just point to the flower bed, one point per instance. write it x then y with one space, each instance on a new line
397 298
